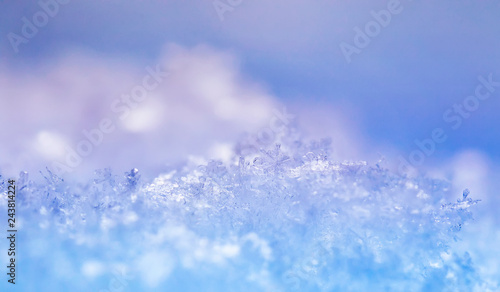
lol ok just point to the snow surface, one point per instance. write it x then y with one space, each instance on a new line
279 216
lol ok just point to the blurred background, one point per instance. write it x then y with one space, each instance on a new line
378 77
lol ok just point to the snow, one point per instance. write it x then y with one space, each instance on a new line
282 217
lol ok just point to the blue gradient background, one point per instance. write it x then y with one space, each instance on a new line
426 60
395 91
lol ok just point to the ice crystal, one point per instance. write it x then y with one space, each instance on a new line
277 218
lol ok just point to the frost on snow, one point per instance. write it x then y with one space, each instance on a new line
282 217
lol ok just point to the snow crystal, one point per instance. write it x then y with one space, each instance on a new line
277 218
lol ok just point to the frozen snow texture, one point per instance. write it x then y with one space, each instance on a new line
281 217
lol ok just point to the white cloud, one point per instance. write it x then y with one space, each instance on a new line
203 106
50 145
205 102
155 267
92 268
